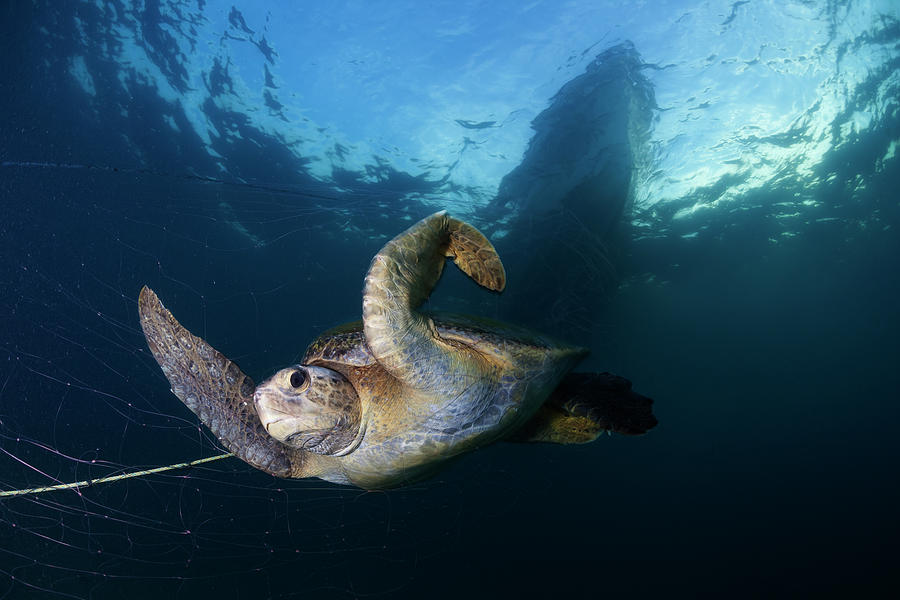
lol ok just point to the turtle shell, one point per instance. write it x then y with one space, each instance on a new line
343 347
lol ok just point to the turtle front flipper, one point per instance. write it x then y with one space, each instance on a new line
401 277
215 389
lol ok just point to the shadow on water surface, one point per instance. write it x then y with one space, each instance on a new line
773 364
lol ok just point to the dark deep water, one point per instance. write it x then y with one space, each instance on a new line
773 472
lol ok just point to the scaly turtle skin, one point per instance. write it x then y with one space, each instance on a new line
389 400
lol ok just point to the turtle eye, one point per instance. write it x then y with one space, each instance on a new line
298 378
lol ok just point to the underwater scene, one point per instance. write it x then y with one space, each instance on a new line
703 194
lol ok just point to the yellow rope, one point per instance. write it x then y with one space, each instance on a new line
87 482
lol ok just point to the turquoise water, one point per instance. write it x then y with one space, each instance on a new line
702 193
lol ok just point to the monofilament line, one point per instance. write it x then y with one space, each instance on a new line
87 482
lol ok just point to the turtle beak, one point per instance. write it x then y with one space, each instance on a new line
277 421
285 415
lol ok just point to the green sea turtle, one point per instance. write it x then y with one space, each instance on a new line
388 400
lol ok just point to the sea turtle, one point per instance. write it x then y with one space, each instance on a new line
388 400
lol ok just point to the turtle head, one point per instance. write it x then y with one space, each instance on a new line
311 408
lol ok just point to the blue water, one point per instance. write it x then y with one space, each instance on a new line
704 193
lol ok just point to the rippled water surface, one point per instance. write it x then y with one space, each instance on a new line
703 193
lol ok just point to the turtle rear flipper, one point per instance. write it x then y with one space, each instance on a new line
583 406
